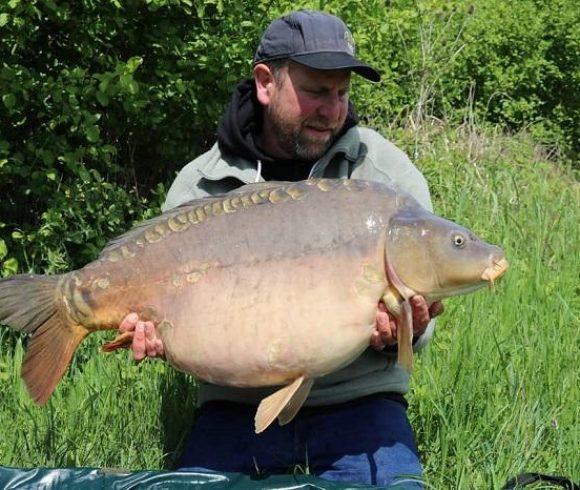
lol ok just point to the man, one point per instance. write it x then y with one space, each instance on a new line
291 122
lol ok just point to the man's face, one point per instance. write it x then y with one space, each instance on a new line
307 109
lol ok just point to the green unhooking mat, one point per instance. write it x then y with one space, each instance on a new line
92 478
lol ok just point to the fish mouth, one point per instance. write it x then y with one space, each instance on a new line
496 270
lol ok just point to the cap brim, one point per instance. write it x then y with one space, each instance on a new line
337 61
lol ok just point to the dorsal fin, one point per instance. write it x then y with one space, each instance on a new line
182 209
257 186
133 232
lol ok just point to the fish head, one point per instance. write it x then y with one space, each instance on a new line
437 258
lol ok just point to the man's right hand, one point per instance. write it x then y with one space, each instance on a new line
146 343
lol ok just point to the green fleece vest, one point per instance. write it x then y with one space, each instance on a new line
360 153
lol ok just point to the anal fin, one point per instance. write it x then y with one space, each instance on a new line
283 403
296 402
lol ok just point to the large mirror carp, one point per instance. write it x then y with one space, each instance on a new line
273 284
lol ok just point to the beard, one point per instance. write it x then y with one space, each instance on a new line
293 138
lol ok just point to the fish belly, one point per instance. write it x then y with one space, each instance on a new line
268 323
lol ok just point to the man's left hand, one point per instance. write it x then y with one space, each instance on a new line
386 324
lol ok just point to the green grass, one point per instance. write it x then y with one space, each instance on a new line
494 395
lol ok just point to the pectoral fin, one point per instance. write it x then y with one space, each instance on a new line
405 336
401 309
283 404
121 341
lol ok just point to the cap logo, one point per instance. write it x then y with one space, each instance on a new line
349 40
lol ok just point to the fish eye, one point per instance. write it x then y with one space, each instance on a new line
458 240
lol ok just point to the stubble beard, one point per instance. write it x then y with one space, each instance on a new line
293 139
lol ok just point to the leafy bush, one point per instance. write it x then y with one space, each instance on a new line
102 101
513 64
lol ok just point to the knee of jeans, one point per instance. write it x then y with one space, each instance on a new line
404 469
365 477
384 466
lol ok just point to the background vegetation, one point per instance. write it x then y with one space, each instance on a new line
102 102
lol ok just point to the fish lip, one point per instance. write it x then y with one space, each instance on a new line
494 271
449 292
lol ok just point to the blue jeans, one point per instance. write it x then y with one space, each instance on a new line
367 441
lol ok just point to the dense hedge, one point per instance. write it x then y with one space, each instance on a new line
102 102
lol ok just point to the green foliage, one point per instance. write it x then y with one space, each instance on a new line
523 68
100 103
8 265
517 64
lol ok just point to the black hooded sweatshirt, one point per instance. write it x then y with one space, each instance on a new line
242 122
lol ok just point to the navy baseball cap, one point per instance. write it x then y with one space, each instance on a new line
315 39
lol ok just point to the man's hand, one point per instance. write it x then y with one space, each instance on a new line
386 331
146 343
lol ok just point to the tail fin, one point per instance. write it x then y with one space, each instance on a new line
28 303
